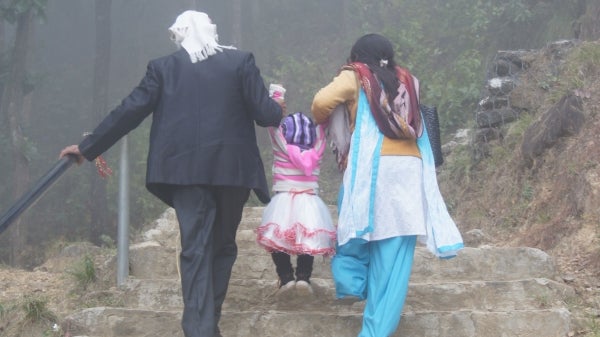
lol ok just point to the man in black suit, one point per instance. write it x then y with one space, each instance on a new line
203 158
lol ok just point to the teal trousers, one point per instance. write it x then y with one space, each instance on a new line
378 271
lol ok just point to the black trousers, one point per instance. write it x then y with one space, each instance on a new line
284 269
208 220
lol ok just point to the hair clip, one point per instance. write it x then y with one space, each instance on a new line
383 63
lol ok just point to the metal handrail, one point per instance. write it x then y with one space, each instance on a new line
48 179
29 198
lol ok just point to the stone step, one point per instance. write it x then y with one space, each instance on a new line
119 322
248 294
471 264
483 292
157 256
486 263
259 265
150 260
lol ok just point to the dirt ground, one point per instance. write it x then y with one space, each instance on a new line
34 302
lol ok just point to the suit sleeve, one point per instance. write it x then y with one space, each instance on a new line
125 117
264 110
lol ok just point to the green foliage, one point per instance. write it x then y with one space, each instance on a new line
107 241
580 70
461 165
527 192
548 82
583 65
516 130
594 327
11 9
498 156
36 310
84 272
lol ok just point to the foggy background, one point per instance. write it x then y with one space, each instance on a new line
302 44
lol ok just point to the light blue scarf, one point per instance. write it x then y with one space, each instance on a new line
357 197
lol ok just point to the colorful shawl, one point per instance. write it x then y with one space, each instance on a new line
401 119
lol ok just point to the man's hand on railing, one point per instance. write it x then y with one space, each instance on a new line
73 150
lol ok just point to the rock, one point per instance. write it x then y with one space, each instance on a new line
490 103
559 49
496 117
498 86
519 58
563 119
485 135
475 238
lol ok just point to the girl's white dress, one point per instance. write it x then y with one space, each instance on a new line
297 221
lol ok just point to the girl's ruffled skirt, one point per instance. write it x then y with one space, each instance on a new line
297 223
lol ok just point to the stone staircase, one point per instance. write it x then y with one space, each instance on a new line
484 292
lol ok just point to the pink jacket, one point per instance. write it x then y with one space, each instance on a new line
295 170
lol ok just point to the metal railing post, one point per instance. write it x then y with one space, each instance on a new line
123 229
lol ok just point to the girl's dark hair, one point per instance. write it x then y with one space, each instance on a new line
371 49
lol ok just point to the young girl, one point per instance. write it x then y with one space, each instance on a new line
296 221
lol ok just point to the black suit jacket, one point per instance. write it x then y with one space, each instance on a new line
203 118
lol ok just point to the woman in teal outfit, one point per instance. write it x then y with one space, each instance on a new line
389 199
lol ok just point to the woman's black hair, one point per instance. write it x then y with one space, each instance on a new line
371 49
